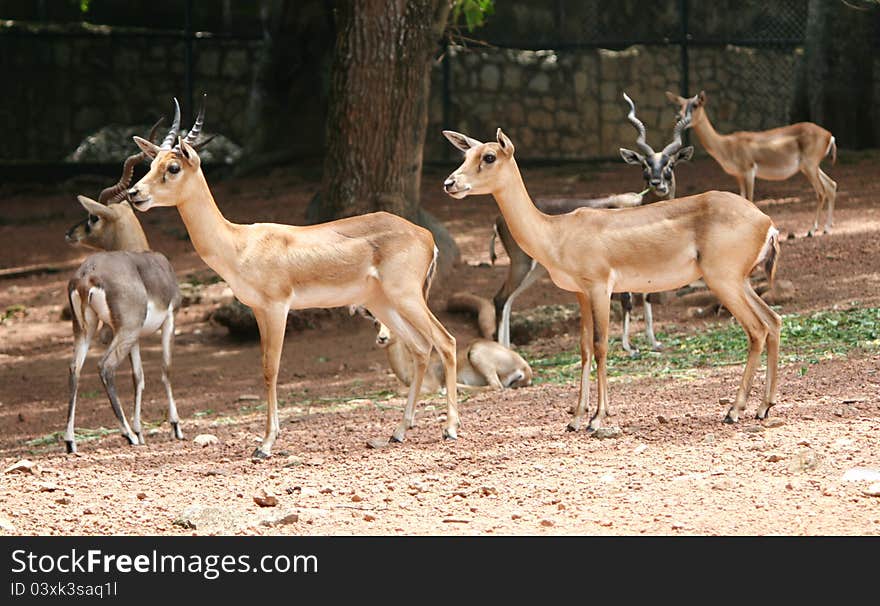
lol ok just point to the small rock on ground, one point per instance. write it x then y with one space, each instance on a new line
861 474
6 525
265 498
205 439
603 433
23 466
873 490
377 443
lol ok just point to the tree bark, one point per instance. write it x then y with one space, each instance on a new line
378 106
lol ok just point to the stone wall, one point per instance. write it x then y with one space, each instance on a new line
60 87
569 104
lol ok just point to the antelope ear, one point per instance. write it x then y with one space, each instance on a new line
462 142
95 208
505 142
685 154
631 157
675 99
149 148
701 98
190 155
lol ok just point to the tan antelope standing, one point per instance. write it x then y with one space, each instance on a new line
379 261
130 289
718 236
774 155
483 364
523 271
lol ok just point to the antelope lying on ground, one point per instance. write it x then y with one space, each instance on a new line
482 364
593 253
774 155
379 261
130 289
658 172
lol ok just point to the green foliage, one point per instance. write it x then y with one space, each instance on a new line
474 12
806 339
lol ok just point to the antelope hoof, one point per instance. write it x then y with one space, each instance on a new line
259 454
398 436
573 425
132 440
178 434
731 417
140 438
657 346
810 234
632 353
450 433
763 414
71 446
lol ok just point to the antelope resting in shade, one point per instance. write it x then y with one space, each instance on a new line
483 364
774 155
718 236
130 289
658 173
379 261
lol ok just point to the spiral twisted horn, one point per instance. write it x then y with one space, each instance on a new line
680 126
193 134
116 193
175 126
639 126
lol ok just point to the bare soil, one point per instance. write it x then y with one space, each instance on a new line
674 468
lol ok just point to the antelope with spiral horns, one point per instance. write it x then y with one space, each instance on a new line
775 155
379 261
523 271
718 236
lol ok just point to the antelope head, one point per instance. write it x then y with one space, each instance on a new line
111 224
175 168
657 167
384 338
693 107
485 168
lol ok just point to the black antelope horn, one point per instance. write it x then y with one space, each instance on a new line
116 193
631 116
193 134
175 126
682 124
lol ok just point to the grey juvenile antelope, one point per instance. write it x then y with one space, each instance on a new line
774 155
658 172
379 261
718 236
129 288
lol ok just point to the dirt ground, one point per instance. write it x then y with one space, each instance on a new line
674 469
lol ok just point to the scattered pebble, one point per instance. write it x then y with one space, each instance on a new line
48 487
709 438
603 433
861 474
774 458
377 443
873 490
640 449
205 439
369 518
265 498
6 525
662 420
247 397
774 422
23 466
548 523
141 496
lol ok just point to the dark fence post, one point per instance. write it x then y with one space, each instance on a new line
684 9
447 101
188 61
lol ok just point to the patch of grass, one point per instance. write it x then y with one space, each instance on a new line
806 339
81 435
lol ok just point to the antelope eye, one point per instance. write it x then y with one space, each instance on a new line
174 168
489 158
93 219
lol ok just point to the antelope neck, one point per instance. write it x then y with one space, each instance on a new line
707 134
213 237
529 226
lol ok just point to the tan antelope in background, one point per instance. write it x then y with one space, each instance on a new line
718 236
774 155
483 364
379 261
130 289
658 173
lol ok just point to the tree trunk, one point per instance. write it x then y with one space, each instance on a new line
378 109
295 55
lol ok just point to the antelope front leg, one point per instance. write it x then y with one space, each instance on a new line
167 341
601 303
272 324
586 343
